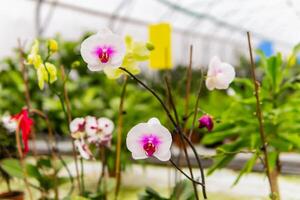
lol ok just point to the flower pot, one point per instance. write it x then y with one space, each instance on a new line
13 195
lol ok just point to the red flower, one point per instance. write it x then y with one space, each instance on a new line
24 123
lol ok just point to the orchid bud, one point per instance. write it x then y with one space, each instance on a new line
206 121
52 45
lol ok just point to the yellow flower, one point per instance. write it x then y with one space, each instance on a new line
44 72
135 53
52 45
34 58
291 60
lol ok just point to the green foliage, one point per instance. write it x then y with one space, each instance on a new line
44 172
183 190
279 95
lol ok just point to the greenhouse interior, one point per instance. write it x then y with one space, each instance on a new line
149 100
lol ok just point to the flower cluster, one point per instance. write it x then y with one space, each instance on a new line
90 130
21 121
46 72
106 51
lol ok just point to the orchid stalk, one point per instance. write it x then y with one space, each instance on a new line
178 130
181 137
47 72
272 182
19 147
119 137
26 91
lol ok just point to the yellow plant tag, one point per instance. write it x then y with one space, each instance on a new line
160 37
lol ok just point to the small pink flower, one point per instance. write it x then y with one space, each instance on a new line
83 149
103 50
105 125
219 75
77 125
206 121
91 125
9 124
103 135
149 139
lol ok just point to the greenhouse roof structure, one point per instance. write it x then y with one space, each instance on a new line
212 26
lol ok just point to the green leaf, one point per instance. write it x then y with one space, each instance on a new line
247 168
33 171
280 144
183 190
12 167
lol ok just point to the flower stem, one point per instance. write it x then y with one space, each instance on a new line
175 125
52 146
102 152
181 137
196 105
26 92
188 88
119 138
21 159
272 182
69 117
187 176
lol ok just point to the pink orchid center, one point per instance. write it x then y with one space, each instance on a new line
150 144
81 127
104 53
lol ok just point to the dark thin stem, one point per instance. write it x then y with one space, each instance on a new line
69 173
171 100
175 125
260 121
187 176
119 138
181 137
196 106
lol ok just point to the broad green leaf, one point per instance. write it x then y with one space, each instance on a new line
12 167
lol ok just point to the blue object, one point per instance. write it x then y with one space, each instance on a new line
266 47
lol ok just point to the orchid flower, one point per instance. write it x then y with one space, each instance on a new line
90 130
135 52
45 72
52 46
206 121
103 135
83 149
34 58
103 50
219 74
21 121
149 139
9 124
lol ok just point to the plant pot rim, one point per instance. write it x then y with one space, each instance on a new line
14 193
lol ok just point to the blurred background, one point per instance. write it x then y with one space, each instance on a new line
213 27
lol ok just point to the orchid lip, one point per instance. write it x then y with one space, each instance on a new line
150 143
104 53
